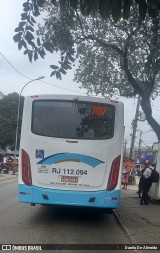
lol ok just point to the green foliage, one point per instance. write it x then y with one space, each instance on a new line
61 25
123 60
105 8
128 48
116 9
142 9
89 7
34 46
8 119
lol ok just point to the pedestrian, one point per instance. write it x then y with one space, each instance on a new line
146 183
4 160
1 158
125 176
140 183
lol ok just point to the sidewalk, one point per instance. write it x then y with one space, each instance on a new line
140 222
8 176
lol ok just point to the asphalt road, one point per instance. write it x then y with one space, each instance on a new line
24 224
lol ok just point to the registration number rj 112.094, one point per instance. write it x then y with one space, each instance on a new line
69 171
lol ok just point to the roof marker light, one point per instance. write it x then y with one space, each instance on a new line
35 96
114 101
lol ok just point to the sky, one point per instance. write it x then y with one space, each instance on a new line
12 81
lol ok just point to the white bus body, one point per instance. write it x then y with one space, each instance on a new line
71 151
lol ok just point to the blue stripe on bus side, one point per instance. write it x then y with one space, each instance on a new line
103 199
62 157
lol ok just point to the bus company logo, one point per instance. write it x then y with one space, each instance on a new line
70 157
43 169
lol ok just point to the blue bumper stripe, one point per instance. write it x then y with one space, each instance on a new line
71 198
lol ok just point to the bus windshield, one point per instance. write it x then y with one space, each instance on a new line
73 119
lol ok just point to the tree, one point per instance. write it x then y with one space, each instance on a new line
125 59
108 8
113 57
8 119
61 24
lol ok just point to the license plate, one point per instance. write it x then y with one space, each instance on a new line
69 179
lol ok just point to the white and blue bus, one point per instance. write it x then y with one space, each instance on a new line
71 151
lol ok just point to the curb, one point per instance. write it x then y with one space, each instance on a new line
125 229
8 179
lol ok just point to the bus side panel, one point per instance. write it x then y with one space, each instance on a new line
101 199
24 133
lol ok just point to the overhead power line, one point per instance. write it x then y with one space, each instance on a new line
14 67
20 73
63 88
147 145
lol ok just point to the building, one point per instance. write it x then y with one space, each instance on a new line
147 155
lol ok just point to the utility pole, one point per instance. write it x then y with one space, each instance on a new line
140 141
125 147
139 145
134 128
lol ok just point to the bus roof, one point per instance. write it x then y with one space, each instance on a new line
76 97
